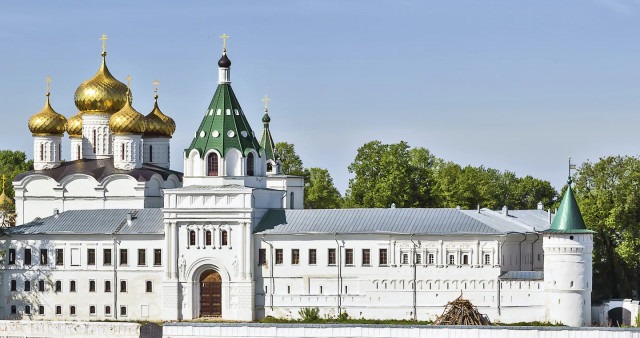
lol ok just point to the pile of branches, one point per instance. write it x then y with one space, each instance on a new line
461 312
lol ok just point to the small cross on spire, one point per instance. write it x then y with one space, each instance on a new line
224 38
104 42
266 103
48 79
128 81
156 83
571 167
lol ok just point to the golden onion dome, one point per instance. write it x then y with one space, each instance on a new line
4 199
102 94
74 126
159 124
47 122
127 121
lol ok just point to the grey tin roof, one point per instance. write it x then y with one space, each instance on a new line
402 221
87 222
523 275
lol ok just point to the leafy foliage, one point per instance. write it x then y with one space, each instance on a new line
13 163
309 314
291 162
608 193
320 192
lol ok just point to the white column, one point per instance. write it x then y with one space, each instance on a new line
229 237
249 249
174 251
167 250
188 228
198 230
242 253
213 236
219 232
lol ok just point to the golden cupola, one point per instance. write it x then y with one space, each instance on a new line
102 94
47 122
158 124
74 126
127 121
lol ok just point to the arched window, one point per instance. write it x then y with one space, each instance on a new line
192 237
122 154
79 153
150 153
95 140
212 164
225 240
269 167
41 152
250 165
291 201
207 238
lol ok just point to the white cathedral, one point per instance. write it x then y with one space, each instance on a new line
114 234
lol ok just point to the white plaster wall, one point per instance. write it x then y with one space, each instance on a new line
100 124
161 147
68 329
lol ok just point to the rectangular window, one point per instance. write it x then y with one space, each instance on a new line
332 257
72 310
431 259
262 256
91 256
207 238
107 286
123 286
92 285
12 256
366 257
27 256
13 310
58 286
418 258
14 285
452 259
27 309
107 310
487 259
157 257
149 286
123 256
27 285
44 257
312 257
404 258
106 257
59 256
58 310
142 257
92 310
279 256
123 311
348 257
383 257
75 256
41 285
41 309
295 256
72 286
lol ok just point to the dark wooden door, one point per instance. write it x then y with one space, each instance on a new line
210 294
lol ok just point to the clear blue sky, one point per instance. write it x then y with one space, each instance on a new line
517 85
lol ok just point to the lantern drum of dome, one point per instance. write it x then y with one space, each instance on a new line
127 125
157 136
47 128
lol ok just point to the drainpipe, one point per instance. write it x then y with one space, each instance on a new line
339 274
270 272
415 306
532 243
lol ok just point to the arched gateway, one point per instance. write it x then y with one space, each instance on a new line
210 294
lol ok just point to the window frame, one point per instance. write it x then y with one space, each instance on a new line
92 282
27 256
59 257
126 287
142 253
279 257
383 253
313 257
157 257
124 253
332 258
11 259
348 257
108 288
91 256
295 256
44 256
148 283
366 257
262 256
107 257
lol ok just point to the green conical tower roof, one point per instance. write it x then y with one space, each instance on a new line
266 141
568 218
224 125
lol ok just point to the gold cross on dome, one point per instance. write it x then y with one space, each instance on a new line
48 80
266 102
156 83
104 41
128 81
224 38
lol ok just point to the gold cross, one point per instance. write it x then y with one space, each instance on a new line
224 38
156 83
128 81
266 102
103 38
48 80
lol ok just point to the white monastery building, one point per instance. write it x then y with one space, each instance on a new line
115 234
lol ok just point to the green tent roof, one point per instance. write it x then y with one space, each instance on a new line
266 141
568 218
224 126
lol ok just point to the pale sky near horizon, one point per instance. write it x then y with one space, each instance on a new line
516 85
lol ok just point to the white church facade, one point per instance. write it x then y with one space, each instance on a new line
114 234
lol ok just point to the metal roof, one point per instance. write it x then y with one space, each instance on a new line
523 275
88 222
402 221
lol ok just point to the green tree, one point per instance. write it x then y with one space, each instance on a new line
320 192
608 193
291 162
13 163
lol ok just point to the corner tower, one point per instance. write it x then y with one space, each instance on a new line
224 148
273 163
567 246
